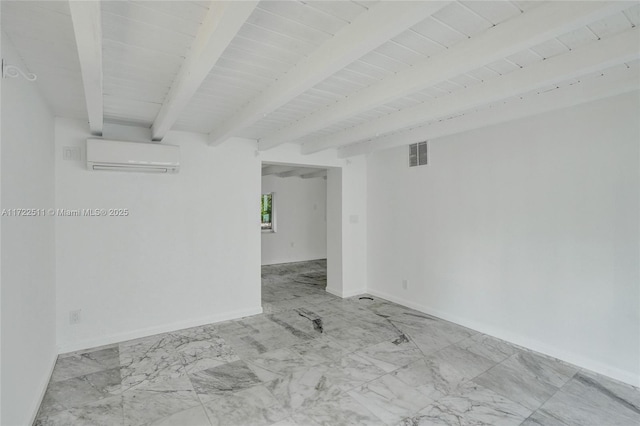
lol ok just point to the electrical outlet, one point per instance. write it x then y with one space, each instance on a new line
74 317
405 284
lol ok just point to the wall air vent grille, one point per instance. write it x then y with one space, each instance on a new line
418 154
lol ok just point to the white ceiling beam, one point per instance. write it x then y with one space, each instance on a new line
293 173
299 171
527 30
320 173
602 54
87 28
275 169
368 31
221 24
613 82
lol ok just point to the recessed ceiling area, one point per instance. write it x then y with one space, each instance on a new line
290 171
346 75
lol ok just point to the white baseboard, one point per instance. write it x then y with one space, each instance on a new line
42 389
150 331
354 292
346 294
282 262
532 344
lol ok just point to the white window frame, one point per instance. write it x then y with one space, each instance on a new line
273 215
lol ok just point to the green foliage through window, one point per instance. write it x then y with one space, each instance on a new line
266 211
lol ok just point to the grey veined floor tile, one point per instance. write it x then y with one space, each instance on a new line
470 404
80 391
590 399
79 364
389 398
150 359
391 355
195 416
105 412
342 410
527 378
255 406
315 359
154 401
219 381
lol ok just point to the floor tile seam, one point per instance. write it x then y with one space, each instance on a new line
506 397
206 413
289 412
417 412
547 400
68 408
329 363
390 373
560 388
481 356
530 415
382 421
498 364
465 382
546 382
123 416
363 406
491 368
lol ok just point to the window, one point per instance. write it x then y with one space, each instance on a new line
418 154
267 219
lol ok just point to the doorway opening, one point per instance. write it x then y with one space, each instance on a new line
294 235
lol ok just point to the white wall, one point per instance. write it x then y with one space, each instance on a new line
301 208
188 253
346 214
27 247
527 231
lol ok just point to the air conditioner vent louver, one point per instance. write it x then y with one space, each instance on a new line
111 155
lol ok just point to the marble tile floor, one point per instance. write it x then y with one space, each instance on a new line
315 359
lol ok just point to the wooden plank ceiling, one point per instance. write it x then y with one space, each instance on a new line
349 75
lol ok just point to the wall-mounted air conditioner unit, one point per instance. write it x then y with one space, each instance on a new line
104 154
